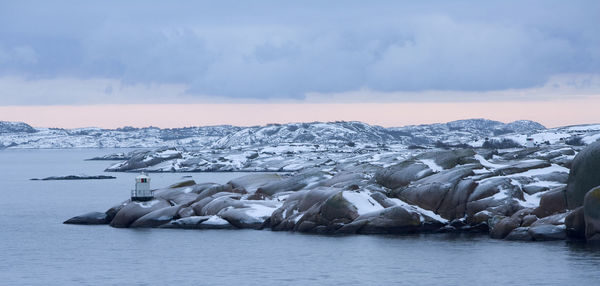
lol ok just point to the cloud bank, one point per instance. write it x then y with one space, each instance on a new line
269 50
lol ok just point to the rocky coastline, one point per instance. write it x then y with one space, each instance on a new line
527 194
74 177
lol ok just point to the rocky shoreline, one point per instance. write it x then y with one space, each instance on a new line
527 194
74 177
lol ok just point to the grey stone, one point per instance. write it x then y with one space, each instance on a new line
402 174
575 223
89 218
551 202
591 210
157 217
504 227
519 234
250 183
548 232
135 210
583 175
391 220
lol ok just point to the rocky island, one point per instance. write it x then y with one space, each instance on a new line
75 177
545 192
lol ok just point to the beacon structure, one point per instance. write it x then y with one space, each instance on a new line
142 191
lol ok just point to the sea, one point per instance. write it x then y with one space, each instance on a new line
36 248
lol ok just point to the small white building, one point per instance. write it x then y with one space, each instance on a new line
142 190
529 143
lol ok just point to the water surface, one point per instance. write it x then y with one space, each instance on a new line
37 249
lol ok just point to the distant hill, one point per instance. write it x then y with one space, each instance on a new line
15 127
470 131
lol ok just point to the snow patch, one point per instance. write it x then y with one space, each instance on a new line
215 220
260 211
432 165
147 204
363 202
591 139
298 217
531 201
419 210
487 163
541 171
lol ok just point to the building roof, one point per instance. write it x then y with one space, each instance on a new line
142 176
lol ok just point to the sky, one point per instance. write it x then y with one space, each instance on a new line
181 63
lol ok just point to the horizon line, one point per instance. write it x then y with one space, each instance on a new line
551 114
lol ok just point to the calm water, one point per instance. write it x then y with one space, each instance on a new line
37 249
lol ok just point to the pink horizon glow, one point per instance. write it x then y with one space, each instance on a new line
549 113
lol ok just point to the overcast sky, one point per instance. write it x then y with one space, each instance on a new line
80 52
85 53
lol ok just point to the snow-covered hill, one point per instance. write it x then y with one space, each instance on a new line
127 137
15 127
316 132
473 132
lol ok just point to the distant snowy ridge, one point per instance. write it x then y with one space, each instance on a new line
15 127
471 132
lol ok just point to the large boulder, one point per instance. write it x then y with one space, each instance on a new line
112 212
551 152
402 174
292 183
199 222
254 214
448 159
157 217
528 220
200 204
183 183
324 216
338 208
382 199
591 209
575 223
533 189
297 204
522 166
250 183
559 177
454 205
183 194
491 186
242 218
135 210
584 175
505 205
215 189
395 219
502 228
179 196
556 219
430 192
519 234
186 212
423 165
220 203
520 154
89 218
346 180
551 202
545 232
496 195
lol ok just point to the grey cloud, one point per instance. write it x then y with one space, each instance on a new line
269 49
